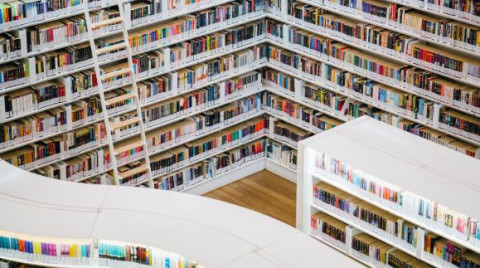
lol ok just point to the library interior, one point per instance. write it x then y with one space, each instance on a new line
239 133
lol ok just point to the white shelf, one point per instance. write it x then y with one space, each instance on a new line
266 13
400 160
332 9
314 29
109 218
230 176
346 92
207 224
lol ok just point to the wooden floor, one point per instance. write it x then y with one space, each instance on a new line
264 192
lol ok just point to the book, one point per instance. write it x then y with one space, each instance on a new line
373 249
129 150
321 223
399 259
282 154
133 173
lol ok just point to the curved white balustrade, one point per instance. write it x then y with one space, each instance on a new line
210 232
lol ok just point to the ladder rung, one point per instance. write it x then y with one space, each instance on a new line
128 147
115 125
110 48
106 22
120 98
133 171
115 73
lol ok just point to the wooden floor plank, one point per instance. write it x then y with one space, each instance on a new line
263 192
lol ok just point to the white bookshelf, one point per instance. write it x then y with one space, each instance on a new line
217 233
390 157
124 27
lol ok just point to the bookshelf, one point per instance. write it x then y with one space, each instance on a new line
85 232
190 96
167 75
397 205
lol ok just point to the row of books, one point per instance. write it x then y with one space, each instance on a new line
189 25
399 101
44 249
363 246
129 150
202 123
420 54
328 100
47 36
154 88
428 84
57 147
27 100
65 60
357 210
127 253
21 130
148 12
463 131
156 62
43 38
436 249
298 114
200 148
17 13
44 66
88 77
72 58
405 20
46 123
185 178
79 167
173 108
53 121
292 62
214 43
212 167
329 229
289 134
282 154
370 249
10 46
279 80
426 211
114 253
438 137
237 85
235 158
134 173
390 13
89 109
79 253
203 73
